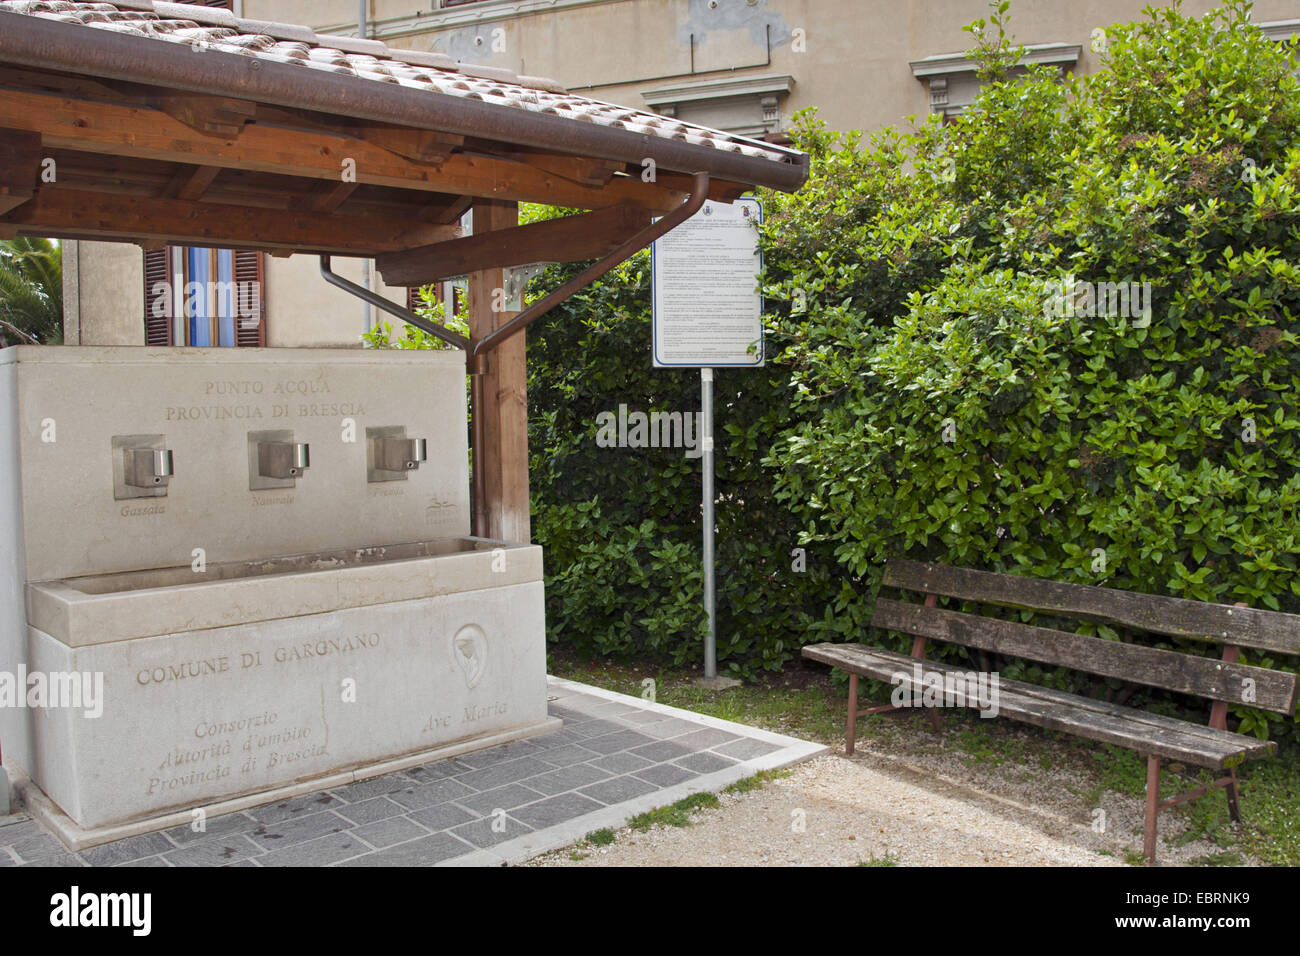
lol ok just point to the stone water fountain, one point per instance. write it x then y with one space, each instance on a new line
266 555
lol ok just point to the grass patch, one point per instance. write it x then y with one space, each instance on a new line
675 814
756 782
1227 858
887 860
601 837
575 856
802 703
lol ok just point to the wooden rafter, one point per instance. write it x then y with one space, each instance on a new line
20 165
578 169
106 128
446 211
211 115
326 197
190 183
110 216
571 239
421 145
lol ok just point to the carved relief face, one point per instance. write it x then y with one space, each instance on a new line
469 649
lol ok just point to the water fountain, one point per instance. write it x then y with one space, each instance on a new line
266 555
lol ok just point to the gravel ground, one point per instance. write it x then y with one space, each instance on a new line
853 811
915 797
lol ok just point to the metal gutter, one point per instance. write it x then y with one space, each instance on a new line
71 47
392 308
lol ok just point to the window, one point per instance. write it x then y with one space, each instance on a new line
750 106
204 297
952 79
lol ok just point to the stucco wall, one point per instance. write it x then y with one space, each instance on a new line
855 68
103 293
303 310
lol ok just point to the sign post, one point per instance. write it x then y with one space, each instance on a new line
707 314
706 462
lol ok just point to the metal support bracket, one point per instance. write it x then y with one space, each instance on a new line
517 279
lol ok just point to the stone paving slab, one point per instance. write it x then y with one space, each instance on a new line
615 757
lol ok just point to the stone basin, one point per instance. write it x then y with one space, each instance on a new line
99 608
254 675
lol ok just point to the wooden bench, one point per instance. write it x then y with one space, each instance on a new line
1220 680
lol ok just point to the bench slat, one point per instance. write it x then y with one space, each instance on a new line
1176 617
1155 667
1054 710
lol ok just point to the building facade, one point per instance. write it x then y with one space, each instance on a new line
744 66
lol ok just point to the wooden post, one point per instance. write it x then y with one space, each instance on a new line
1152 810
851 731
503 429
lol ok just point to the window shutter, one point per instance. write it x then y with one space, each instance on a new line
413 300
157 269
250 330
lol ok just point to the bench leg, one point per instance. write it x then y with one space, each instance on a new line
851 730
935 720
1234 807
1153 810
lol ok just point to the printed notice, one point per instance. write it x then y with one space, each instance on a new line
707 304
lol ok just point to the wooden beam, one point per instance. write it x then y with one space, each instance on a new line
571 239
26 78
501 400
327 197
69 123
11 198
20 167
720 190
113 216
581 169
445 212
222 116
190 184
421 145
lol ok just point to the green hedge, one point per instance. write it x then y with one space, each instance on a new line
983 421
621 526
931 392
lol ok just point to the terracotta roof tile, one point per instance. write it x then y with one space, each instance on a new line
209 28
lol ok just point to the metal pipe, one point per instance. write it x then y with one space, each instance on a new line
699 193
478 467
392 308
706 464
366 313
72 47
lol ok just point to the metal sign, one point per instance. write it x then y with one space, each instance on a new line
707 307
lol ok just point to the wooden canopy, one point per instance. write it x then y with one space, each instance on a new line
167 123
